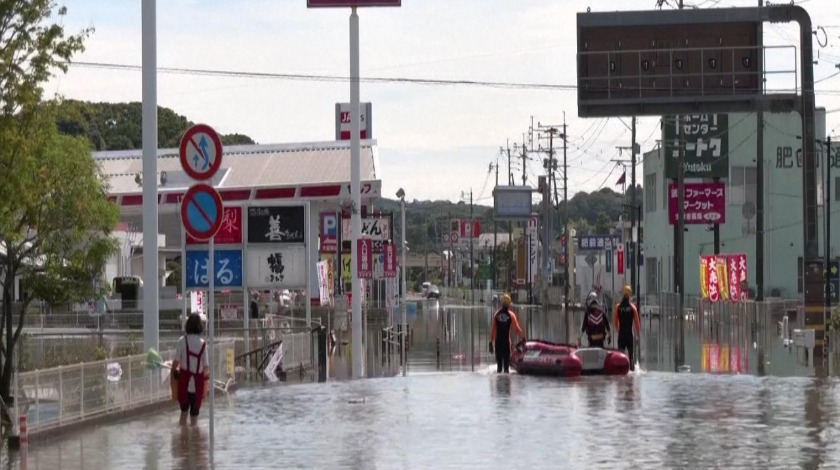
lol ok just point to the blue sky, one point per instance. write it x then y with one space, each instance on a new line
435 141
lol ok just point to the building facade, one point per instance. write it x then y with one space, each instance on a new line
783 206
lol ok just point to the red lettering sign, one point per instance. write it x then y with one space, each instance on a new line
364 265
231 231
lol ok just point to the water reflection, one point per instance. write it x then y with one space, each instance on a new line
189 448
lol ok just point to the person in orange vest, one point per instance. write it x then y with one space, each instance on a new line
500 342
626 322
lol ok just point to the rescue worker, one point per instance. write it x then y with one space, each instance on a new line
626 321
595 324
500 341
193 371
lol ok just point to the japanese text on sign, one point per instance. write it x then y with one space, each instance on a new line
598 242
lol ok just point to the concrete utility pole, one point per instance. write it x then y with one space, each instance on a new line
495 227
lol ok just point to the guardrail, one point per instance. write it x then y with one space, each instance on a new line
68 395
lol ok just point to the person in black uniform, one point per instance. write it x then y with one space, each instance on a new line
626 321
500 342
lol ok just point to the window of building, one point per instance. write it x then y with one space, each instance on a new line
651 276
837 188
800 275
742 193
650 193
742 185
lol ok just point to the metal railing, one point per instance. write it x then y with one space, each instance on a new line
61 396
685 68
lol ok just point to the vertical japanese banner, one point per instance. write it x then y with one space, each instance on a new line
365 262
712 274
619 259
704 278
476 228
323 283
742 275
734 278
723 279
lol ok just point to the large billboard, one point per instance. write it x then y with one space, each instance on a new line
706 145
661 62
513 202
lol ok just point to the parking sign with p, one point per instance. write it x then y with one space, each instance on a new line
329 232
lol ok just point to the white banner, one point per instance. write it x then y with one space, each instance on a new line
198 302
373 228
323 283
391 296
533 249
228 311
280 267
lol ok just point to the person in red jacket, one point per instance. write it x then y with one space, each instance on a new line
503 320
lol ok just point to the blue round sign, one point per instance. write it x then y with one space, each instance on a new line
201 212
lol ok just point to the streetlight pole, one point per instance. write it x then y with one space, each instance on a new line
403 267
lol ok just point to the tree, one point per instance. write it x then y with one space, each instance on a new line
119 126
55 218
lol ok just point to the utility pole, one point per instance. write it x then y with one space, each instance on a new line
680 238
827 202
635 229
566 233
495 227
472 267
759 175
510 170
524 159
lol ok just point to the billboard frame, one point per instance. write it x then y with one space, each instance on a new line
513 215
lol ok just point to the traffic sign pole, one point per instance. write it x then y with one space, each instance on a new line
211 354
200 154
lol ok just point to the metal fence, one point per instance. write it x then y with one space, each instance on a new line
60 396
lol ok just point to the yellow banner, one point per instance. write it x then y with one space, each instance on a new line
704 279
723 277
346 275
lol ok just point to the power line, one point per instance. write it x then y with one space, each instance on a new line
340 78
326 78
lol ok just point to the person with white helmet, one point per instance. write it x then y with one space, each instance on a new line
595 323
500 327
626 321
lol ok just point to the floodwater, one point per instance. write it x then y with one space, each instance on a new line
455 412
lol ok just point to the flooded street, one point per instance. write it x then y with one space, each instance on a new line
455 412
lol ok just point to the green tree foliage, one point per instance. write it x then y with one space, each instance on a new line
118 126
54 213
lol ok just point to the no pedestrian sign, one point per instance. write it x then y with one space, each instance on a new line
200 152
201 212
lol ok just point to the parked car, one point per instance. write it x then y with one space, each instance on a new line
433 292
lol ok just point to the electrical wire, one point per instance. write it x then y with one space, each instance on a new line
326 78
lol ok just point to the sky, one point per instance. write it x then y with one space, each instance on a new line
437 142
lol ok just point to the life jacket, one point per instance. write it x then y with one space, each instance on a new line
184 375
625 319
503 324
595 324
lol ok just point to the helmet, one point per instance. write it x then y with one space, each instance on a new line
592 298
626 291
506 300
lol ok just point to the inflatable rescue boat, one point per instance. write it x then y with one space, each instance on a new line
537 357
